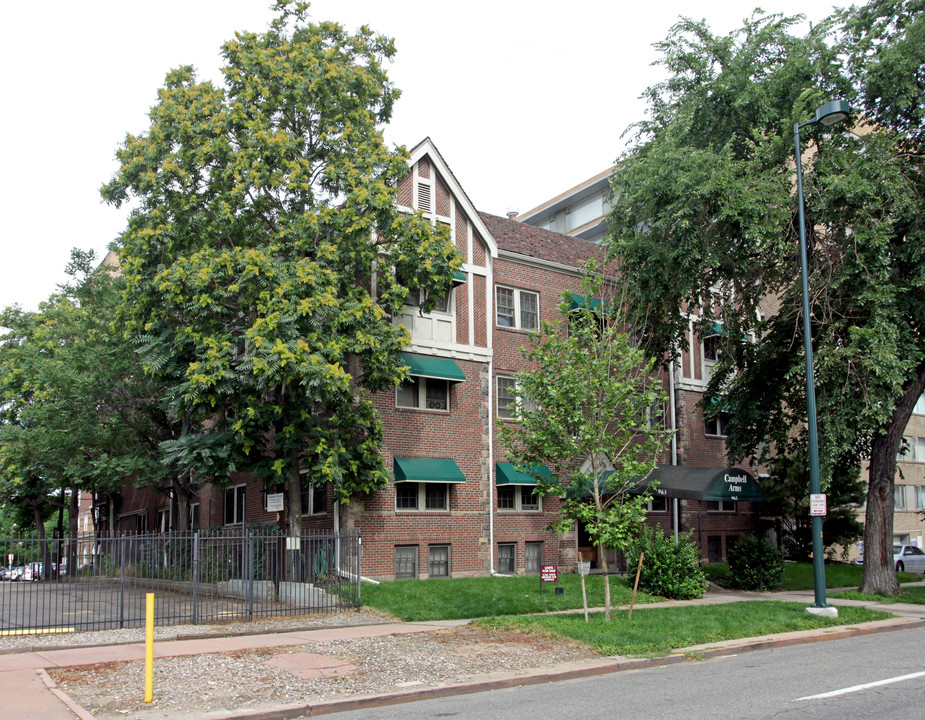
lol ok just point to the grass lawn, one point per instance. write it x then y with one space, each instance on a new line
452 598
909 595
799 576
660 630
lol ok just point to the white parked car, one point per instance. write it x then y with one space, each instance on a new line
905 557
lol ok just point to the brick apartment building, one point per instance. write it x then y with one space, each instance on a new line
456 507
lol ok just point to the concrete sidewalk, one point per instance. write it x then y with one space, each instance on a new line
29 694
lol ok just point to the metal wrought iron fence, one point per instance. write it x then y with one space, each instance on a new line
91 583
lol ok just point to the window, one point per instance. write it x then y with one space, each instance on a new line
714 548
406 562
509 405
438 560
919 408
314 498
418 496
163 520
583 212
913 448
728 506
519 498
234 504
899 497
517 308
194 516
716 425
507 552
658 504
533 557
424 394
415 298
920 497
648 416
711 349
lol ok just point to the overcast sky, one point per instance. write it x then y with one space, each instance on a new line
523 99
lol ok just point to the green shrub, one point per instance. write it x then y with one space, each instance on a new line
755 564
670 569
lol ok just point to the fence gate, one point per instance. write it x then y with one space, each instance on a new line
90 583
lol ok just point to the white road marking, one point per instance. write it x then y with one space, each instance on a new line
865 686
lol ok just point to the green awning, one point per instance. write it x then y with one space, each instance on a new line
580 301
409 469
432 367
576 491
507 474
691 483
459 278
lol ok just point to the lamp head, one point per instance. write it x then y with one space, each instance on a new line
832 113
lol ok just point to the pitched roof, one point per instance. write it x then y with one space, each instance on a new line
517 237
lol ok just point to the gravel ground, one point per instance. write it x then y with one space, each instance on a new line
187 688
21 643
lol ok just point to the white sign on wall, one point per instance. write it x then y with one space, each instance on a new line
275 502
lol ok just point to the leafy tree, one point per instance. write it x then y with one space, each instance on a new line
705 222
76 412
589 410
786 499
266 257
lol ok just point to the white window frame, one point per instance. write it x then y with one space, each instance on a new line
239 504
594 201
716 424
899 497
648 416
194 509
919 408
920 497
420 385
517 321
519 491
915 449
421 497
309 495
416 298
722 506
659 499
520 404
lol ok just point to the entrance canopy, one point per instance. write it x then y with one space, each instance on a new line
691 483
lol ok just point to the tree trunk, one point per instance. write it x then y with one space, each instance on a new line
602 551
73 517
879 573
183 495
294 499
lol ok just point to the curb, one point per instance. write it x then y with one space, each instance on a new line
72 705
591 669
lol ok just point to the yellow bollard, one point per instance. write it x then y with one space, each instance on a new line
149 647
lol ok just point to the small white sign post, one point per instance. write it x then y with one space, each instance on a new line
817 505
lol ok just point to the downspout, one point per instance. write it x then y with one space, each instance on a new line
675 502
489 298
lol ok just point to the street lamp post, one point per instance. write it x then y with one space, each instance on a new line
826 115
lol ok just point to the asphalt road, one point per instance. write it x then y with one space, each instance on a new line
823 680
